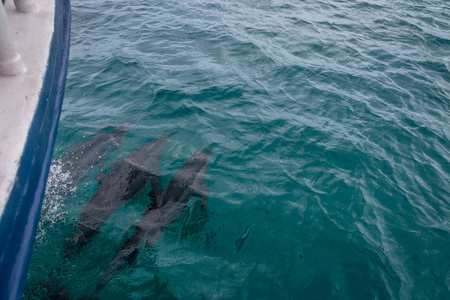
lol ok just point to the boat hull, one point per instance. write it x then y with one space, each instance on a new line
21 213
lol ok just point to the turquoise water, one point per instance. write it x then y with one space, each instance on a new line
331 169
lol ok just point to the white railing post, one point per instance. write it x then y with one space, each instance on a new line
10 60
25 6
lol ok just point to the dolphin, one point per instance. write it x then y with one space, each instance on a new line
93 152
128 176
188 182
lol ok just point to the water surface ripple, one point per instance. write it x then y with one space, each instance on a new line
330 174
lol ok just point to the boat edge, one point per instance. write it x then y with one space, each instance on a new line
22 211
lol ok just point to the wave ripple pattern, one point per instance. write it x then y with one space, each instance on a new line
330 173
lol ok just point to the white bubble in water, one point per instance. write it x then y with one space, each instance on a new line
59 186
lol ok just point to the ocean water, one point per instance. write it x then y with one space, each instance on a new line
330 173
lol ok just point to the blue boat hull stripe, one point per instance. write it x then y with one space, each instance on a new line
21 215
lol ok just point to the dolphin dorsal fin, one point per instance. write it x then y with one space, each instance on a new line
147 157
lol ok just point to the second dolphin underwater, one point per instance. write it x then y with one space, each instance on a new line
189 181
129 175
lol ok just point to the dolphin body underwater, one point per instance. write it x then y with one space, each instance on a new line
188 182
128 176
92 153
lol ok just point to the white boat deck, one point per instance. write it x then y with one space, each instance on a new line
19 94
